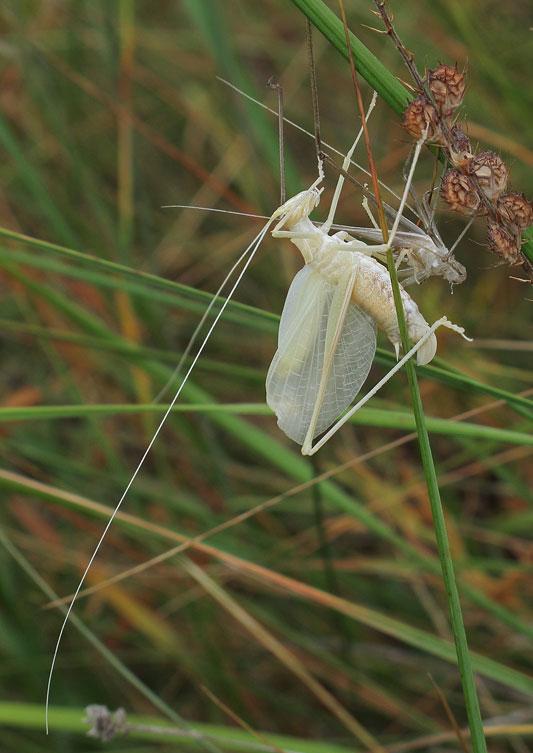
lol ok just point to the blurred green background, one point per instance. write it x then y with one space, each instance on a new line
108 112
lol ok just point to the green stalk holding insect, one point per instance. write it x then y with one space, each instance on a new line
318 15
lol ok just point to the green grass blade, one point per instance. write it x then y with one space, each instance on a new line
375 417
62 719
464 659
401 631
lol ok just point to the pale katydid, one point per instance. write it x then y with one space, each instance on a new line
327 336
346 293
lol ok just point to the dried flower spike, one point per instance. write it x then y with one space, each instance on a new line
459 192
515 209
419 116
504 243
447 85
491 173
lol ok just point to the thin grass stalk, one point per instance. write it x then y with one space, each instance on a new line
325 550
441 535
418 639
454 604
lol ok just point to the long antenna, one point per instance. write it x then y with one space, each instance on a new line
314 91
307 133
275 84
251 250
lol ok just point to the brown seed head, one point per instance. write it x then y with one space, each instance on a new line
504 243
459 192
447 85
460 149
515 209
491 173
419 116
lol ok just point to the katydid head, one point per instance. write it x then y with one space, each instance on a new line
298 207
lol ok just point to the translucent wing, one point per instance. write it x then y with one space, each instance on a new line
295 373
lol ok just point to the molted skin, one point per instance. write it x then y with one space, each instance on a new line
334 257
427 258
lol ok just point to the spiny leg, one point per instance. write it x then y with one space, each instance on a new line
403 201
401 256
463 233
366 207
345 166
290 234
336 320
443 322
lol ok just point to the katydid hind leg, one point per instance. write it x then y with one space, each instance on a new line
336 320
345 167
443 322
405 195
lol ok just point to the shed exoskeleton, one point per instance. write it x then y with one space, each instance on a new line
327 337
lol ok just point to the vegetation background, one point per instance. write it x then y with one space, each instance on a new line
108 111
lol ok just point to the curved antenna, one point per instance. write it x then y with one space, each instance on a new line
275 84
316 223
314 90
215 209
252 248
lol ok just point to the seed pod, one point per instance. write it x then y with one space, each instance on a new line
491 173
419 116
459 192
447 85
504 243
460 149
515 209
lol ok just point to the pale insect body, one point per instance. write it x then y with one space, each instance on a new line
338 256
327 338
